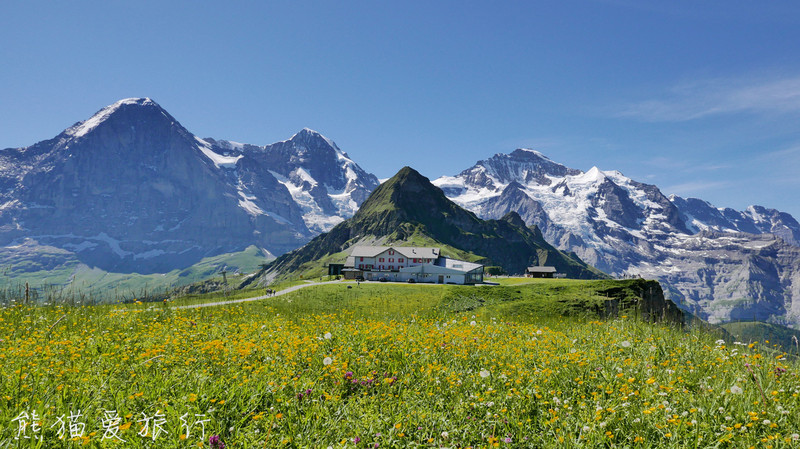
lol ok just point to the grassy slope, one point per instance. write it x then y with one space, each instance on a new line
425 373
78 279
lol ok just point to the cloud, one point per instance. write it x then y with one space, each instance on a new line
786 153
708 98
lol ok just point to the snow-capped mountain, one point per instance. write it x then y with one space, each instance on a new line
700 215
130 189
720 263
322 179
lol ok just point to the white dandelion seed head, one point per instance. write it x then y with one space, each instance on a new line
327 361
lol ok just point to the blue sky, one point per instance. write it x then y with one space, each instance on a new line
699 98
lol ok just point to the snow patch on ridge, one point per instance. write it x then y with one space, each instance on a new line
219 160
313 216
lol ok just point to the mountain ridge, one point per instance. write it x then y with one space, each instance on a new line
629 228
131 190
408 207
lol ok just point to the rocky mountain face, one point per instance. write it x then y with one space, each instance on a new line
721 264
130 189
408 207
321 179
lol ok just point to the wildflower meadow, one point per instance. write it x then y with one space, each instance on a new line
387 366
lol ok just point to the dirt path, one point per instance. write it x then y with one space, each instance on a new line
256 298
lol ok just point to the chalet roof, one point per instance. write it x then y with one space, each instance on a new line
459 265
541 269
407 251
367 251
418 252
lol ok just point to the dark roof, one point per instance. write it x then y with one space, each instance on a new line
541 269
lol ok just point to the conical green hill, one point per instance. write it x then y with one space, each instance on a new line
408 208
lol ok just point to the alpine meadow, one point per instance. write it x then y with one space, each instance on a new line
342 365
391 225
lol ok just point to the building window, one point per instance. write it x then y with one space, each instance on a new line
400 259
361 266
380 260
391 253
362 259
391 259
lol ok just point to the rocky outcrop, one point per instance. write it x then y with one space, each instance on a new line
645 298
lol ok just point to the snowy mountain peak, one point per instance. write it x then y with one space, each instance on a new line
80 129
594 175
528 153
309 136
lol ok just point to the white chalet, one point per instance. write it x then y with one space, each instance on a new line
402 263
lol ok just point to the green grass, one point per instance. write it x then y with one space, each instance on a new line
394 364
771 335
75 281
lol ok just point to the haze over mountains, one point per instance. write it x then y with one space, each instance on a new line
131 190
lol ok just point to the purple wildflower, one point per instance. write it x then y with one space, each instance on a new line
216 442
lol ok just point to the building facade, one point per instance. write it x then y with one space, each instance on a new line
541 272
405 263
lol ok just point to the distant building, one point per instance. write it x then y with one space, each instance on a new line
403 263
541 272
335 269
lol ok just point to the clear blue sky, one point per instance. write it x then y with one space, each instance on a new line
699 98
